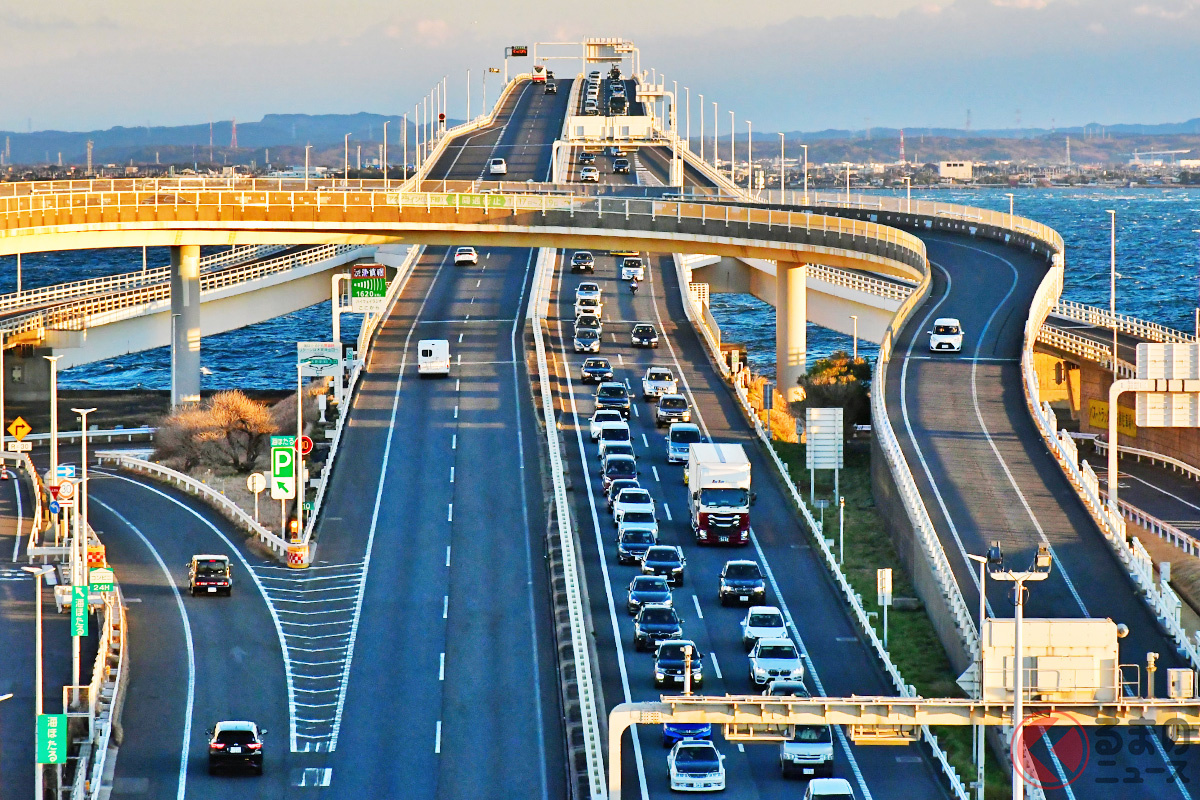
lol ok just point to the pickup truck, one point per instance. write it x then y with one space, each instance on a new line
658 381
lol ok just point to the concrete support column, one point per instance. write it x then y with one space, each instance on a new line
791 313
185 325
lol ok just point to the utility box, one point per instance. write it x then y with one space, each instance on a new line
1181 683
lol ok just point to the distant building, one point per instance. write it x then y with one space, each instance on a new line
1189 163
956 170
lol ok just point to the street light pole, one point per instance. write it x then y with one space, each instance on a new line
1038 571
995 557
701 127
908 187
1112 298
54 429
841 530
307 147
299 452
386 122
38 574
750 156
687 110
805 173
716 135
732 148
781 151
1197 302
81 535
854 317
346 172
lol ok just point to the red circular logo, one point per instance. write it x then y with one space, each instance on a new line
1050 750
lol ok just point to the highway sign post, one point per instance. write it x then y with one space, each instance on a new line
368 288
256 482
19 429
319 359
52 739
65 471
823 445
66 493
283 467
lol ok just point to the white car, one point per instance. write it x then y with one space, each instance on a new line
587 289
637 520
775 658
631 500
613 433
947 335
589 175
762 622
601 416
633 267
829 789
497 166
695 765
465 255
588 305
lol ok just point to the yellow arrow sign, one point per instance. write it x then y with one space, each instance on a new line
19 428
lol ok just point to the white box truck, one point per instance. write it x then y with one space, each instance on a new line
719 493
433 357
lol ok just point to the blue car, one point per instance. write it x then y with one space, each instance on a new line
676 732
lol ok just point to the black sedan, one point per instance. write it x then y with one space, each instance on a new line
587 158
596 370
655 624
621 166
666 561
647 589
633 544
644 335
742 582
235 744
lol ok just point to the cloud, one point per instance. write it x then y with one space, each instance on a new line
433 32
1036 5
1180 11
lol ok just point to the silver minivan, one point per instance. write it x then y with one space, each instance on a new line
680 437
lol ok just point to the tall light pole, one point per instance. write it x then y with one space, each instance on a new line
1039 570
994 557
908 189
54 429
386 122
716 135
1112 298
687 111
346 172
805 148
299 452
307 147
1197 299
38 574
701 127
749 156
854 318
781 140
404 149
468 116
490 71
1010 207
81 535
732 147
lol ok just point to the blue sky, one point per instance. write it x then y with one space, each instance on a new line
784 64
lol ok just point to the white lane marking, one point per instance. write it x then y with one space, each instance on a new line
716 666
442 667
383 471
445 605
447 555
741 747
437 738
452 474
699 613
477 285
645 443
187 636
655 471
667 511
612 608
450 512
533 638
1164 491
454 441
636 413
458 358
762 557
457 383
460 338
620 360
456 409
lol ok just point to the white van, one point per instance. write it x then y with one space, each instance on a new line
433 357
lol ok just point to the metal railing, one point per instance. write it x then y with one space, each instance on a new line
104 697
366 335
1174 463
1163 530
1084 347
853 599
867 284
1101 318
61 292
82 314
214 498
589 705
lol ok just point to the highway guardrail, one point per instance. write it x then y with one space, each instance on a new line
854 601
589 707
105 699
230 509
1154 458
1085 347
1102 318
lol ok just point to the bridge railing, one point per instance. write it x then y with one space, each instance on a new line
80 314
61 292
863 283
1102 318
1175 464
1085 347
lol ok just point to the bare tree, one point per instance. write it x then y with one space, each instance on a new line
229 430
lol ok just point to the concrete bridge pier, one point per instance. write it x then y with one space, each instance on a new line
185 325
791 314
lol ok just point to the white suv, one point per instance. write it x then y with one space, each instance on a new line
947 335
497 166
772 659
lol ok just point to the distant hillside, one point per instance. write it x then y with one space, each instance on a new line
175 144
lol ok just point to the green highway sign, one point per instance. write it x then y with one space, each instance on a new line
368 288
52 739
101 579
283 467
79 611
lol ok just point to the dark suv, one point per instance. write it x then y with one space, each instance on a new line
654 624
742 582
209 574
612 394
235 744
621 166
582 260
667 561
644 335
669 662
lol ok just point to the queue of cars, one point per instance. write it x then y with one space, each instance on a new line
774 663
